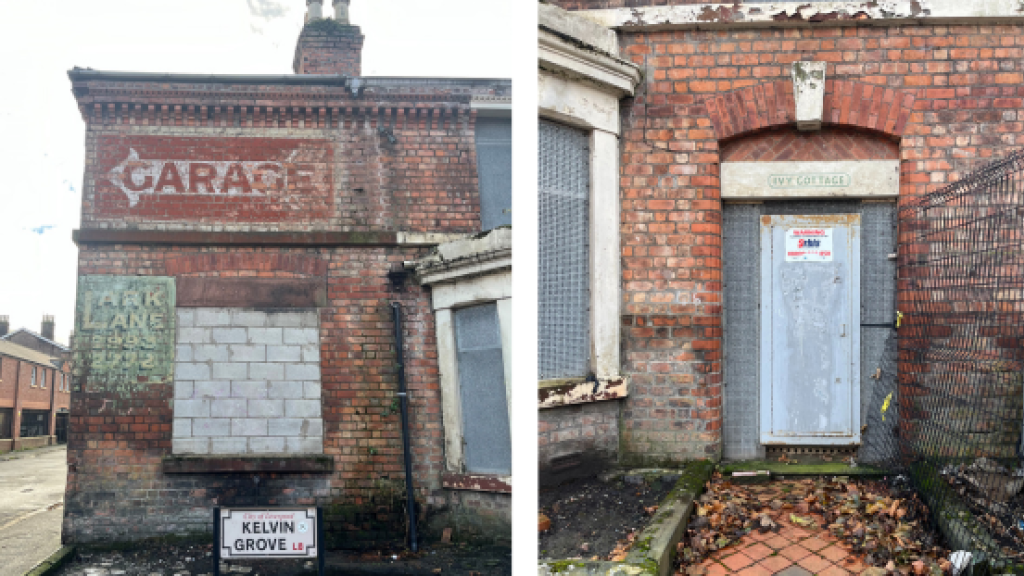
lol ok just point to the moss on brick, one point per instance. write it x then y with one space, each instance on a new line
781 469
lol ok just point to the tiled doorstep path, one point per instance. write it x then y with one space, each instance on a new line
792 551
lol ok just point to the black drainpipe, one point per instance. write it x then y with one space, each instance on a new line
403 397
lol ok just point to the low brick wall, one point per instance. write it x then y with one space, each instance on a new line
577 441
9 445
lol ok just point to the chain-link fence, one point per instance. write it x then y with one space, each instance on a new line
949 406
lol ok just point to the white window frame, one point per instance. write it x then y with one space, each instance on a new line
593 105
480 283
33 384
42 378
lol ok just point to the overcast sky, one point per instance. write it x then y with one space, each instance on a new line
42 134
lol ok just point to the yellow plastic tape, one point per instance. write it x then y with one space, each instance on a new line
885 405
899 319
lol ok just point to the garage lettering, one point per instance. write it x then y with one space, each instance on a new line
138 177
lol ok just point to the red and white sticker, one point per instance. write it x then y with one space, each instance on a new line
809 245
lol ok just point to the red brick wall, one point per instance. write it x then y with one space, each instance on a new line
289 180
358 377
35 397
7 378
577 441
345 175
948 96
790 144
360 181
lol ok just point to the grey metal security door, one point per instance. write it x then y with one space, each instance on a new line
810 330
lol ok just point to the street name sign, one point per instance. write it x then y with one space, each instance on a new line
268 533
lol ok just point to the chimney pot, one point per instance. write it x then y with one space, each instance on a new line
341 11
314 9
5 325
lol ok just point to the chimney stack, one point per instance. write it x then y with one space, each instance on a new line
5 325
48 328
329 46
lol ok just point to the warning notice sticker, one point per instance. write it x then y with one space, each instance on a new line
809 245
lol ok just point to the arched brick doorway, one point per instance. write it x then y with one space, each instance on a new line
750 349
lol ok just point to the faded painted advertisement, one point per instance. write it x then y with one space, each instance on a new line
137 177
240 179
124 332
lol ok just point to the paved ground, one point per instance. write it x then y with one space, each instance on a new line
793 551
31 507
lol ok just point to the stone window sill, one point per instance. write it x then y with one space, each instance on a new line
248 463
477 482
566 392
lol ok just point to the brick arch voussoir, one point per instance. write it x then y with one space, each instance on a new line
847 103
299 264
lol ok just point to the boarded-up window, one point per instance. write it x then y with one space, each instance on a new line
563 299
247 382
485 424
494 165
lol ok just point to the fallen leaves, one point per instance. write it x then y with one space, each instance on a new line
622 548
880 523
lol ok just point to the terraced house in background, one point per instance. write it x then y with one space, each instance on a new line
733 172
248 246
35 386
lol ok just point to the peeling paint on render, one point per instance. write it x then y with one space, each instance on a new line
563 393
478 482
803 13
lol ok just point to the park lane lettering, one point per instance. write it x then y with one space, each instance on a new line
138 177
129 310
124 331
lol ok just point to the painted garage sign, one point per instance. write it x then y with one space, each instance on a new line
229 179
124 332
809 245
137 177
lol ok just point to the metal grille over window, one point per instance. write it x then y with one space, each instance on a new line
485 425
494 164
563 299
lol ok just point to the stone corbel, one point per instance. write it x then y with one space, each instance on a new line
809 94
